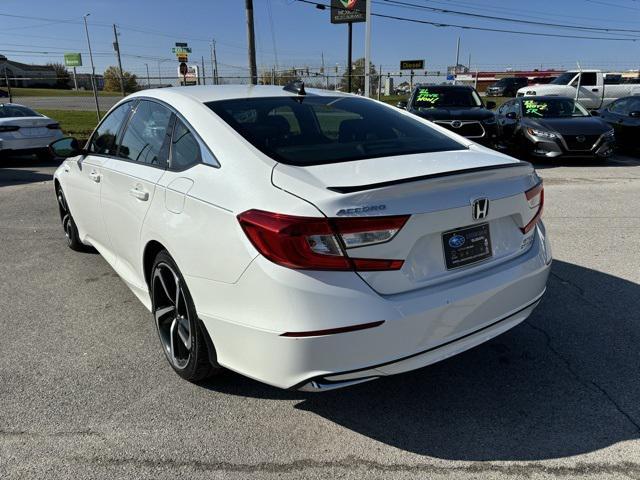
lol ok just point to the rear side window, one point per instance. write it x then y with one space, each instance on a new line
146 137
185 148
104 139
316 130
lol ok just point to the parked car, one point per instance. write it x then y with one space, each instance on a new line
310 241
549 127
587 86
4 94
507 87
24 131
623 116
456 108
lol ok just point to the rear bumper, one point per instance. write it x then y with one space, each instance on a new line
29 144
420 327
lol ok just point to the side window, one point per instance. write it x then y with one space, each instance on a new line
589 79
104 139
185 148
146 137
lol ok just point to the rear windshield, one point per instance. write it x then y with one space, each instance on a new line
436 97
10 111
315 130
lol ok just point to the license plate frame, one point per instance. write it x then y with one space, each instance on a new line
474 248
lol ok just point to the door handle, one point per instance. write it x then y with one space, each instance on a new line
139 194
594 89
95 176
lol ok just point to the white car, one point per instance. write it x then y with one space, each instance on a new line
307 239
23 130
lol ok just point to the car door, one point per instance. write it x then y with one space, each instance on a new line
590 94
129 184
84 182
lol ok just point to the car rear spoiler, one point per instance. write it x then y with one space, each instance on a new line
373 186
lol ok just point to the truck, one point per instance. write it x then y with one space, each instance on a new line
592 88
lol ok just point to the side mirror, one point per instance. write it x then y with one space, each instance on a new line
402 104
595 113
491 105
635 114
511 116
66 147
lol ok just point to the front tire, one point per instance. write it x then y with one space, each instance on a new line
68 224
184 341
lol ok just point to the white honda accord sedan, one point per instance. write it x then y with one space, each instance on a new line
307 239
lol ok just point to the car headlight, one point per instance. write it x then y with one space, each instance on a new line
490 121
541 133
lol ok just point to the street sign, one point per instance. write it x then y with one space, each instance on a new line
73 59
181 44
189 74
411 64
348 11
179 50
450 77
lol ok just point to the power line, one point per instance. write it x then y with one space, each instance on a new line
484 29
503 19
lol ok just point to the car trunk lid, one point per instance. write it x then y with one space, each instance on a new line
437 190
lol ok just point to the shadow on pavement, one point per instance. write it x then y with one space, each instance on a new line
18 170
565 382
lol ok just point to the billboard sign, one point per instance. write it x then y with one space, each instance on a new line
411 64
73 59
180 50
348 11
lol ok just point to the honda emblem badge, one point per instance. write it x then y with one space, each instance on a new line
480 208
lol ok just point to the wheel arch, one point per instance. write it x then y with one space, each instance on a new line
151 250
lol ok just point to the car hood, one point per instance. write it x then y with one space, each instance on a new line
570 126
453 113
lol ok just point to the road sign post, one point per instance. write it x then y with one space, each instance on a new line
349 12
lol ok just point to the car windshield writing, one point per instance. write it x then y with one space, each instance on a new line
553 108
12 111
436 97
315 130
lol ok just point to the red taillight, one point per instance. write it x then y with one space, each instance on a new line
535 198
316 243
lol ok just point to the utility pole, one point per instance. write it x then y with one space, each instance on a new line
379 81
93 68
324 73
204 75
159 75
367 51
215 63
253 70
148 78
116 47
455 69
349 56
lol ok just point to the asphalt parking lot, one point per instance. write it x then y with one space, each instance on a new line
85 391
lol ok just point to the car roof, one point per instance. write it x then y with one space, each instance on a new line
212 93
448 87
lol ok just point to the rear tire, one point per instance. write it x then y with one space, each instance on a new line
183 337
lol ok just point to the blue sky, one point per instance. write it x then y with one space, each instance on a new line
303 33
